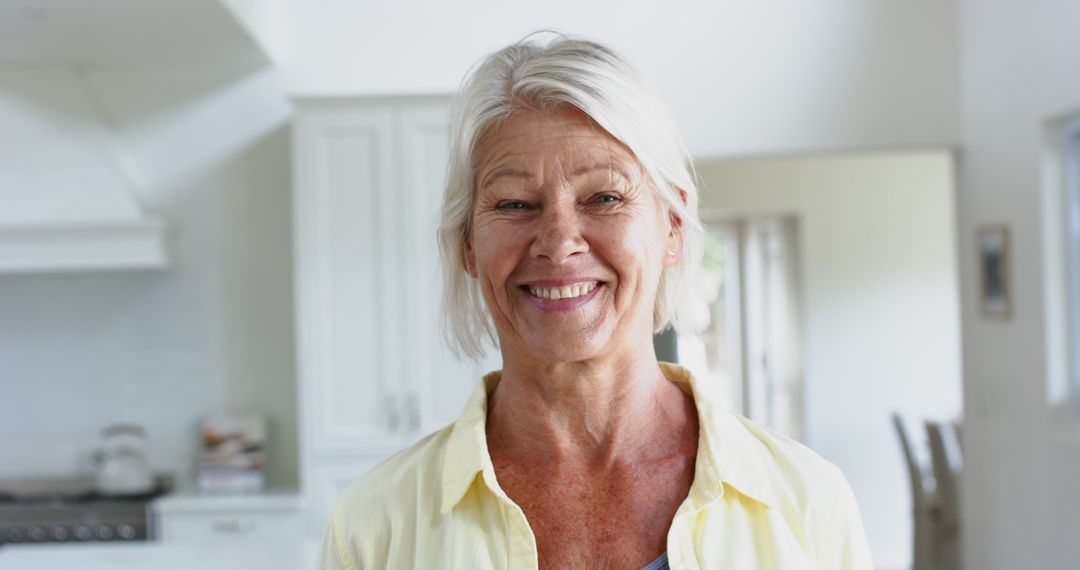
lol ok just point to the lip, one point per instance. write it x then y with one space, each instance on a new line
560 304
548 283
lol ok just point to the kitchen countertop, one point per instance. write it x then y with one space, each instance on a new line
300 555
185 502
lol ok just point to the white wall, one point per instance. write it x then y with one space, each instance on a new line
212 150
740 77
56 159
881 315
1021 497
210 146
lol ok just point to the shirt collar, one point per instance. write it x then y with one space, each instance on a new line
466 450
728 453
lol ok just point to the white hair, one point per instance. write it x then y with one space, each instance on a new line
536 75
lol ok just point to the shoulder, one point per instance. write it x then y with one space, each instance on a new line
388 499
396 478
759 461
796 473
813 496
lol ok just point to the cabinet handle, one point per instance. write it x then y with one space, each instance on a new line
414 413
234 526
393 415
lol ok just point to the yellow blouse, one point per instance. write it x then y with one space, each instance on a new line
758 501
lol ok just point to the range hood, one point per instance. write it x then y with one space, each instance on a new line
68 194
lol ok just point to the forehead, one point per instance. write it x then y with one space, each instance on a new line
530 139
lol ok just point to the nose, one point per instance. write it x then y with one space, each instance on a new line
558 234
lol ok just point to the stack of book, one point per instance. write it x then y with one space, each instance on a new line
232 459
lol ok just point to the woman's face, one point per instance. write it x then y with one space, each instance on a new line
568 238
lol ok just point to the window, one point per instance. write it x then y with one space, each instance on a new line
1061 241
1071 163
752 342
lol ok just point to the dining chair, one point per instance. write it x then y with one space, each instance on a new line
924 508
947 463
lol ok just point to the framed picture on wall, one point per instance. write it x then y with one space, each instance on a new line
995 295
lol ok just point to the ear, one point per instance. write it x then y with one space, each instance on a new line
470 260
673 244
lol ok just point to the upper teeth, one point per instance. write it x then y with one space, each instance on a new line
565 292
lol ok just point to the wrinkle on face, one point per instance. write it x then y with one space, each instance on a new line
557 195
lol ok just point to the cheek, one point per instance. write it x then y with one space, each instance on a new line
497 252
633 248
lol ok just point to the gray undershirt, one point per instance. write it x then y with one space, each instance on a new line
658 564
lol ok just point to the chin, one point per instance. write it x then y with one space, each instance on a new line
565 354
567 348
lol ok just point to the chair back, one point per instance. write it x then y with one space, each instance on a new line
946 463
922 503
915 472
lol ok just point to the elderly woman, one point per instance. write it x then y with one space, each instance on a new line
570 236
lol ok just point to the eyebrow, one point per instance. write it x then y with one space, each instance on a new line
511 172
600 166
504 173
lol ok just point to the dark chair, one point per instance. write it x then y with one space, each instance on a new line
946 464
924 507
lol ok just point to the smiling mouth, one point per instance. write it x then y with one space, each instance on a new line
564 292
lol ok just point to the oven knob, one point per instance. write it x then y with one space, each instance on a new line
125 531
83 532
60 533
104 533
36 534
16 535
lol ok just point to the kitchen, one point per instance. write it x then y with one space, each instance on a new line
135 231
161 264
150 311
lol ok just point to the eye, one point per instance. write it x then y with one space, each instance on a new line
606 199
510 205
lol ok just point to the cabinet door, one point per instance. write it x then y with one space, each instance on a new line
346 279
440 383
231 527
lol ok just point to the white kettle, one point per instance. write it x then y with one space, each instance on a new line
122 465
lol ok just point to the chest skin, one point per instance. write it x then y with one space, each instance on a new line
616 517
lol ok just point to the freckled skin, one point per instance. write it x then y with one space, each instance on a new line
598 516
604 223
584 432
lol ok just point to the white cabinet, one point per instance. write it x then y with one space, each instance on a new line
195 519
374 374
348 390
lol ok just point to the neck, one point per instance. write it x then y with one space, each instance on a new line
598 411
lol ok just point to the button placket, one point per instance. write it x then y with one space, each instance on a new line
522 542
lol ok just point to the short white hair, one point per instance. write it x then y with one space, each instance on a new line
534 74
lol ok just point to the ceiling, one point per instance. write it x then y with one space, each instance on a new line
122 33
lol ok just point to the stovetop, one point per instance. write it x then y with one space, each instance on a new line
71 510
75 498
